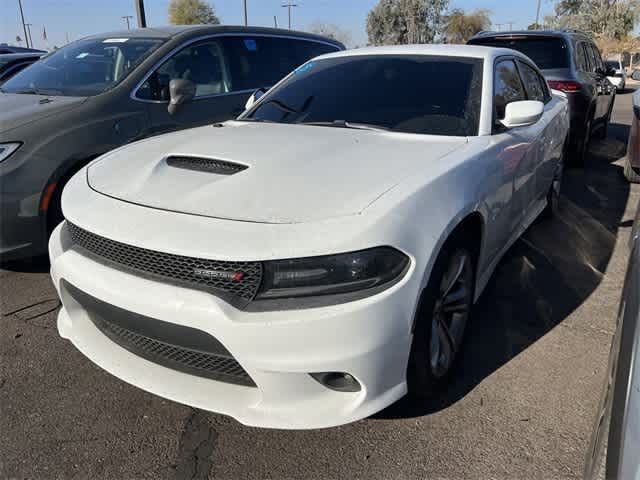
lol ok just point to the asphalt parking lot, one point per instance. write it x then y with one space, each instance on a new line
521 405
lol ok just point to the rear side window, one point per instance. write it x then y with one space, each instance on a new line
582 61
533 83
261 61
546 52
595 55
507 86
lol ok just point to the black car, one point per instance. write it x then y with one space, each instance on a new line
12 63
571 62
106 90
4 48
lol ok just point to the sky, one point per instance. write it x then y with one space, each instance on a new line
74 19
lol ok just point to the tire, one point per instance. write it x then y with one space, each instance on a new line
603 131
630 173
579 156
553 196
438 334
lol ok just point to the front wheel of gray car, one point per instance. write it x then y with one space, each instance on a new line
443 314
553 196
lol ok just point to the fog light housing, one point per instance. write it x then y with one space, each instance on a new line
338 381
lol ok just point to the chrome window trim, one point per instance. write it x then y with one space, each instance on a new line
185 44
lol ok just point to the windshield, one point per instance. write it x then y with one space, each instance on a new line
83 68
404 93
546 52
612 64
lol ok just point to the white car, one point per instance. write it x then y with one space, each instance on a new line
310 263
616 74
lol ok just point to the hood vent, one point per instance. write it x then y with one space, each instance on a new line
209 165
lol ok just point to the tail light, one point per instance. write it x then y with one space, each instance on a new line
565 85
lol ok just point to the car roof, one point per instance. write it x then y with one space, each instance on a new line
18 56
444 50
533 33
170 31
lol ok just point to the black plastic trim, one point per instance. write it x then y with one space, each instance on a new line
121 326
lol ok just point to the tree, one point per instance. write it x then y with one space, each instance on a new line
610 19
460 26
191 12
332 31
535 26
397 22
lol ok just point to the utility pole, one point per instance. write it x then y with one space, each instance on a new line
275 21
142 19
28 25
127 17
245 14
538 14
24 25
289 6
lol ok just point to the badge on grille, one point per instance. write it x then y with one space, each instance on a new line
218 275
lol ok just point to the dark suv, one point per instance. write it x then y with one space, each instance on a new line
571 62
107 90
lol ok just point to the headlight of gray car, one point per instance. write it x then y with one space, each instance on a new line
6 149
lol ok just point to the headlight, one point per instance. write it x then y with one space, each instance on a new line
6 149
332 274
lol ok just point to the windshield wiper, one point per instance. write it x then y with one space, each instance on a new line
345 124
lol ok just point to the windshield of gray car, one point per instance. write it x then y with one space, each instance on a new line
83 68
423 94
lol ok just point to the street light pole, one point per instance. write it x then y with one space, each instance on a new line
142 19
245 14
127 17
24 25
538 14
289 6
28 25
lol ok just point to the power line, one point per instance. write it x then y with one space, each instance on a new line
24 25
289 6
127 17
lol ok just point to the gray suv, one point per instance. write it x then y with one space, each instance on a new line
571 62
103 91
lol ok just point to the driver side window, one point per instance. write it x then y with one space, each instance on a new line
507 87
203 64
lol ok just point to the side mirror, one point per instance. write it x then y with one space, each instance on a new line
522 113
255 96
180 91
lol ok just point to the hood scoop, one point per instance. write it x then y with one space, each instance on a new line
207 165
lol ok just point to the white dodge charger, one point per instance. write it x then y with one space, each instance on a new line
311 262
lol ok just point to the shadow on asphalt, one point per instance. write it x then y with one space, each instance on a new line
544 277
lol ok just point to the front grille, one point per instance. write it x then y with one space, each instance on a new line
201 273
174 346
209 165
209 365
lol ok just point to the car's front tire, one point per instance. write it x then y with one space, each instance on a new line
553 196
443 313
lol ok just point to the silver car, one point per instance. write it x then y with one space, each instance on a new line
104 91
616 439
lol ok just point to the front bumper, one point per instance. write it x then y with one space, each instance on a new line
368 339
22 229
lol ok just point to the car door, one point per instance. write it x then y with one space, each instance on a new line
548 141
518 147
604 88
226 70
205 63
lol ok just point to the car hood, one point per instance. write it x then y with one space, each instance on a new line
291 173
17 110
